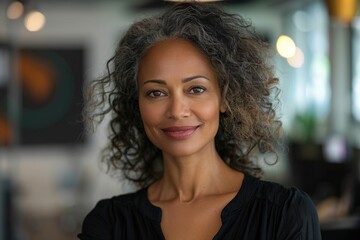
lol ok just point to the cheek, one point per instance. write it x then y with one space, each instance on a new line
149 113
209 112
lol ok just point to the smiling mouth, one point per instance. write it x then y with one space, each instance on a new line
180 133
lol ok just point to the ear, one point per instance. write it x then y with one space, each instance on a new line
222 106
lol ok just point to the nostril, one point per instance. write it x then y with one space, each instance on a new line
178 108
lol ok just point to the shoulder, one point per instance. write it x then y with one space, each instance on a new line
107 207
288 198
280 194
296 211
99 222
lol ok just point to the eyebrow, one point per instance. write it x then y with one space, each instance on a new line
188 79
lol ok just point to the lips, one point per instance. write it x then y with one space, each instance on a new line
179 132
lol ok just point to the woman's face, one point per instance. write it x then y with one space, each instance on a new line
179 98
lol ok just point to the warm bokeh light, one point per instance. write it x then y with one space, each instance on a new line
15 10
344 10
297 60
285 46
34 21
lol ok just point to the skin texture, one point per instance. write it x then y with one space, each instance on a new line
247 84
178 88
180 104
150 88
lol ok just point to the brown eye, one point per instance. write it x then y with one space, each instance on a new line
197 90
155 93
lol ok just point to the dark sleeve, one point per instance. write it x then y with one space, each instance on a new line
299 218
98 223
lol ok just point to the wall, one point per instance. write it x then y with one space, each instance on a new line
48 179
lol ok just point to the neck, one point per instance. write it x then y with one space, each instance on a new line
191 177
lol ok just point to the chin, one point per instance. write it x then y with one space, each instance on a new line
185 150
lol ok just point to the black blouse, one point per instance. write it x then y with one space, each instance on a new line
260 210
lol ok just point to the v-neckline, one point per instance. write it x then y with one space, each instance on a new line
240 199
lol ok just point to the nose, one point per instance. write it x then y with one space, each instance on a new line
178 107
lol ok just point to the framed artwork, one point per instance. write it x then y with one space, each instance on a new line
5 77
50 84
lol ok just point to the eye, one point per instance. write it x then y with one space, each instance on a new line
197 90
155 93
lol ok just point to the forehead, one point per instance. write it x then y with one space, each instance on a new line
175 56
174 46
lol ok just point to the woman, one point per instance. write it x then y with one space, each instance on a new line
192 103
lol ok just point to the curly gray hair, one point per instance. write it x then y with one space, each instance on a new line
246 81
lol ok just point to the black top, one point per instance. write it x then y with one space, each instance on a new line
260 210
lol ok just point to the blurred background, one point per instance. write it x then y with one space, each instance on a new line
50 170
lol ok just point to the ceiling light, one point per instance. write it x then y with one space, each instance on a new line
297 60
285 46
34 21
15 10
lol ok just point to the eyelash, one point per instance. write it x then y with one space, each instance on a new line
199 90
151 93
202 89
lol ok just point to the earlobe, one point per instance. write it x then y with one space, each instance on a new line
222 107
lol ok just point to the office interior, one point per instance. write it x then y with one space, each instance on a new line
50 169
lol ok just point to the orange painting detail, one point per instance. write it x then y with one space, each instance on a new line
5 131
38 77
